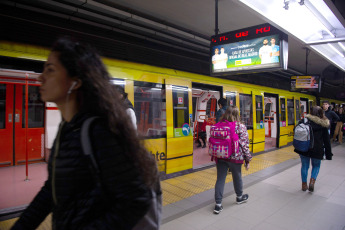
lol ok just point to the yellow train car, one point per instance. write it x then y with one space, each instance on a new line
171 106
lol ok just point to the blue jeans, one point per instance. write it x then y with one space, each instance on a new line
315 163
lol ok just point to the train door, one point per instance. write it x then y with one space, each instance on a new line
290 118
283 127
297 110
304 108
16 137
179 127
258 117
271 121
205 99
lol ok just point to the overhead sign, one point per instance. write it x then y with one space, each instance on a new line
254 49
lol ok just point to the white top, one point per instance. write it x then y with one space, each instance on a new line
265 52
131 114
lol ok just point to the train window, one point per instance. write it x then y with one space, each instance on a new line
2 106
35 107
290 107
297 111
282 112
230 98
259 112
181 110
149 107
246 110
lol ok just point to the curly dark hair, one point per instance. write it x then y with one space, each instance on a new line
98 97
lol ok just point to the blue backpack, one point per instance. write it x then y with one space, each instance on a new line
303 139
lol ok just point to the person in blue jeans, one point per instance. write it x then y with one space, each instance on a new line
319 123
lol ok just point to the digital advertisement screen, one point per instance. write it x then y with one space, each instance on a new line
305 83
256 53
249 50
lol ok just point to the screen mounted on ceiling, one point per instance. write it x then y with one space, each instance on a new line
305 83
255 49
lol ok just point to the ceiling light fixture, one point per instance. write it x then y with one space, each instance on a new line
335 49
314 22
341 45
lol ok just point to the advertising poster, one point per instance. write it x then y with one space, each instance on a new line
305 82
263 52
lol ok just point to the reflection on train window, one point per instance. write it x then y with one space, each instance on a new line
35 107
2 106
282 112
230 98
290 107
297 110
246 110
149 107
259 112
180 106
120 82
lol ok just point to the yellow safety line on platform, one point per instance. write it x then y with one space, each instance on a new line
185 186
182 187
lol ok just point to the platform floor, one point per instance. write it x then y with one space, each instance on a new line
276 200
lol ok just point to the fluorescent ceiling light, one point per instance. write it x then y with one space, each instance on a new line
311 21
337 51
341 45
325 52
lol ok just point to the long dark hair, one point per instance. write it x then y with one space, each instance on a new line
98 97
318 111
232 113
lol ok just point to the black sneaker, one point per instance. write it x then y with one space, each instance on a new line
243 199
217 209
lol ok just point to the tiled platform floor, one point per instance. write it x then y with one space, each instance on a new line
276 201
273 183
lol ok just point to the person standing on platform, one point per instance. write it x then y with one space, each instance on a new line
331 115
319 124
340 123
222 104
128 105
232 114
117 195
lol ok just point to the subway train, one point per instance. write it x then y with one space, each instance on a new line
170 107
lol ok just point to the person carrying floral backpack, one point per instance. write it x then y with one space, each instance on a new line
234 162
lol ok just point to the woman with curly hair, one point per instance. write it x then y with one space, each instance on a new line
75 78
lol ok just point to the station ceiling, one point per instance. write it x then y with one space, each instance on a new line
178 29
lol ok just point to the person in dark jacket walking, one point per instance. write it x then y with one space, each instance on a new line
222 108
331 115
319 124
75 78
340 123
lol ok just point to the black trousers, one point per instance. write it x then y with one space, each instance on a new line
202 136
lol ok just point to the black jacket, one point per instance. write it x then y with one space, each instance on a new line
342 118
321 139
123 200
331 115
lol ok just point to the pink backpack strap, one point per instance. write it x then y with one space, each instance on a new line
233 134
